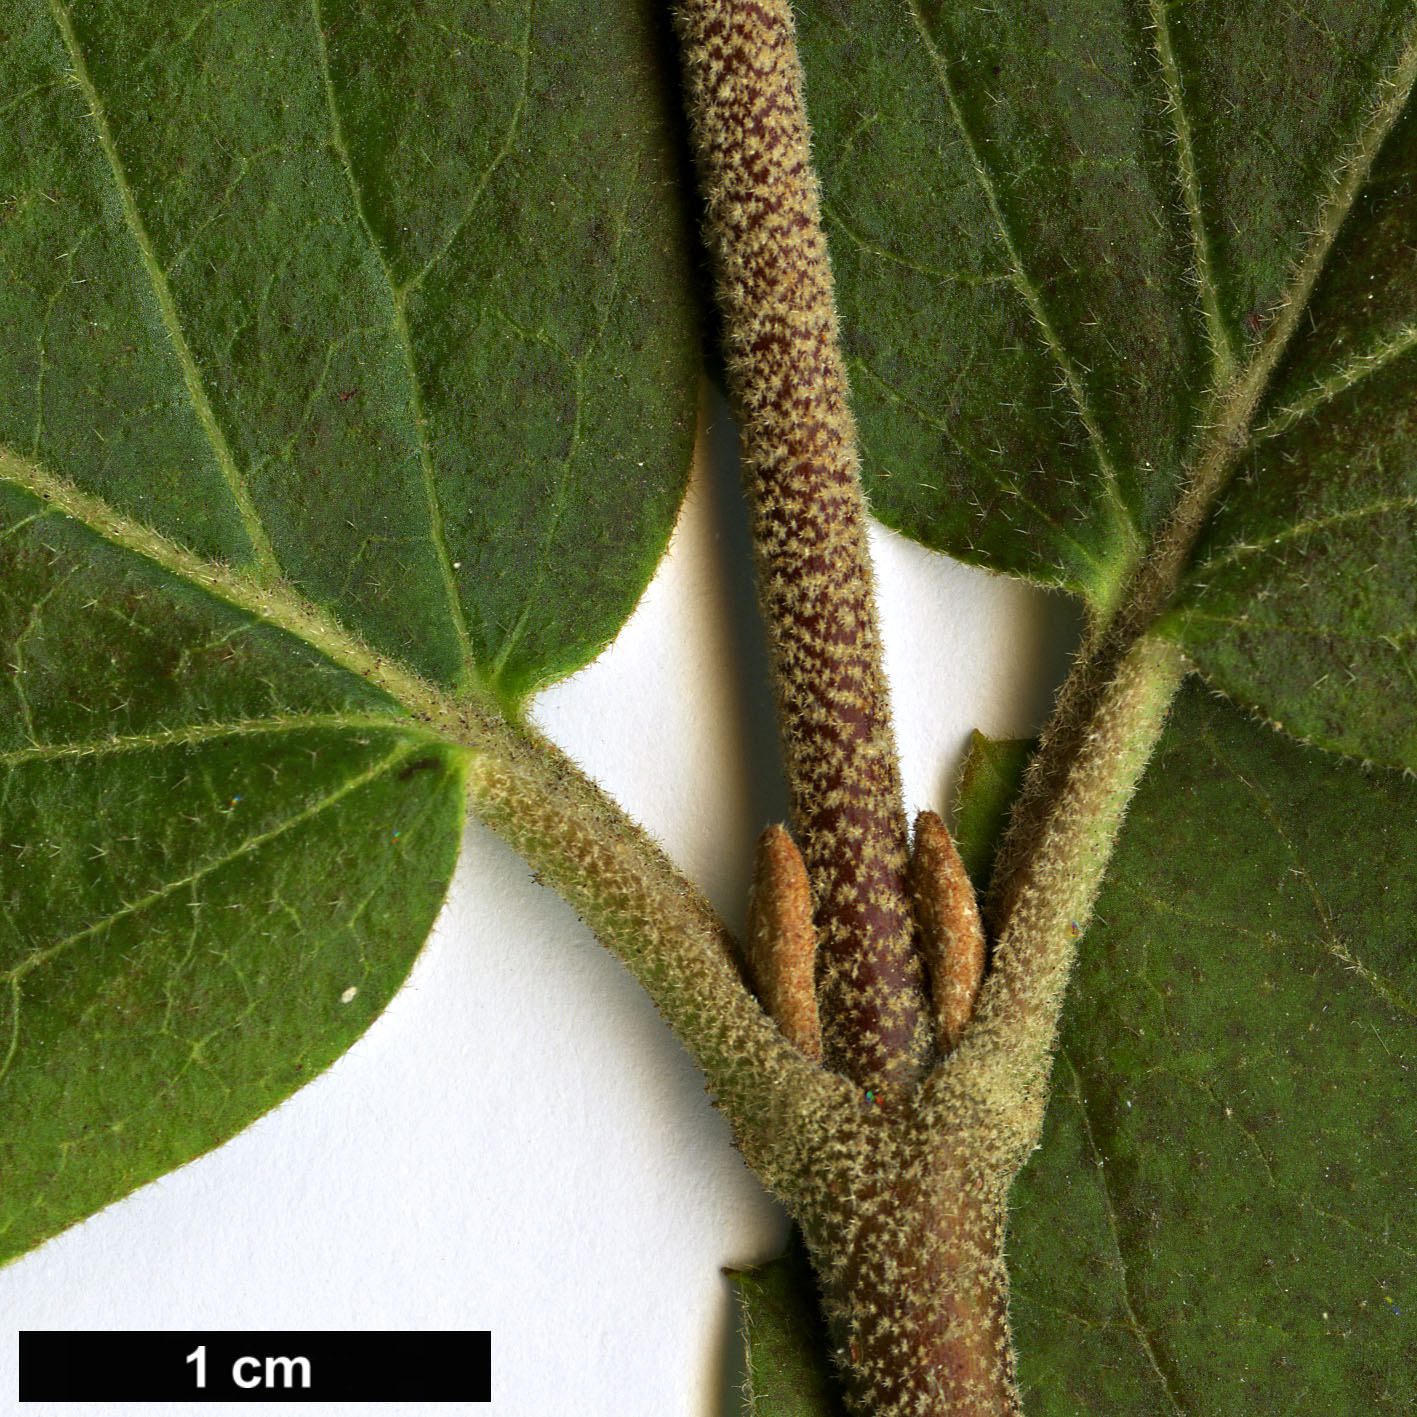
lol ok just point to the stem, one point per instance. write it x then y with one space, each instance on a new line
900 1188
815 586
622 885
576 839
906 1235
905 1216
1107 725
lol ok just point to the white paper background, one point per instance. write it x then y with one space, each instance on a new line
519 1143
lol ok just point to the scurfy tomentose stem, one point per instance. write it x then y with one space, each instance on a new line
870 1225
902 1198
788 382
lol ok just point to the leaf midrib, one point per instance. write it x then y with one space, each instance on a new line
462 718
192 734
1222 351
1232 436
267 562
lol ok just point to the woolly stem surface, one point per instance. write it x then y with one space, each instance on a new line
900 1189
788 382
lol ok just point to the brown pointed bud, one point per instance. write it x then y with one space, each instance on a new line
782 944
951 935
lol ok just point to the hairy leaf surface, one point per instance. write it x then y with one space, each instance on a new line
340 346
1095 252
360 299
1303 599
988 784
219 855
1221 1216
786 1347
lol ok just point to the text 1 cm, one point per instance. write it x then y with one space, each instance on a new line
251 1372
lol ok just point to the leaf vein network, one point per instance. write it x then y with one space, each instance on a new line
968 279
267 563
1249 622
1006 485
577 364
1133 1321
1330 937
484 179
403 338
245 848
1033 297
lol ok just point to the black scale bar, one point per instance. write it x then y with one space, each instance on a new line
256 1367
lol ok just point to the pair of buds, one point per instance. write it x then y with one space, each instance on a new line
781 944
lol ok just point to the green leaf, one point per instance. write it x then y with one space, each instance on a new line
319 328
1091 251
1303 601
361 298
988 783
788 1351
219 855
1221 1217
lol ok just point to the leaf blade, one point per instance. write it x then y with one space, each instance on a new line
1200 210
1301 601
786 1347
205 849
1233 1109
212 239
130 1052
